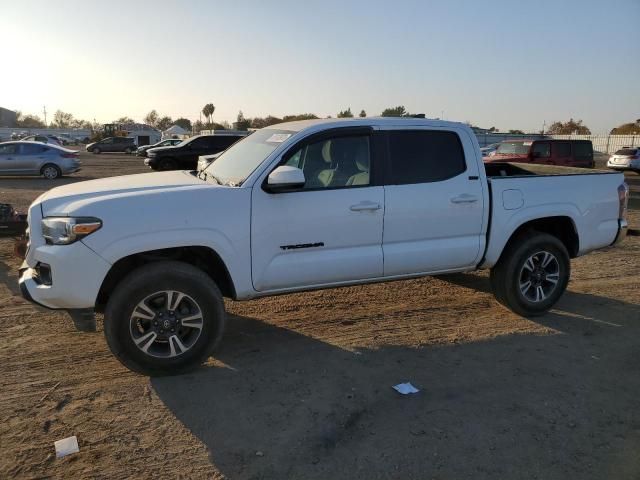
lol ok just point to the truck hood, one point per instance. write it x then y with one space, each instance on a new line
69 198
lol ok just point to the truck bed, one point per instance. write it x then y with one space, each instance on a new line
522 192
514 169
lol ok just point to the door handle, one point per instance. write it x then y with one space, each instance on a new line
365 206
464 198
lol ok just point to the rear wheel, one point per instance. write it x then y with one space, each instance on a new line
532 273
50 171
164 318
128 151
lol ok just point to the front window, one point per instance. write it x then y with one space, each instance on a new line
334 162
243 157
514 148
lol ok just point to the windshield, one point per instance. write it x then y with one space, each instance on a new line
514 148
243 157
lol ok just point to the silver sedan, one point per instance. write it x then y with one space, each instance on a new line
34 158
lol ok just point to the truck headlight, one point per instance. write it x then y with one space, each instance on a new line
66 230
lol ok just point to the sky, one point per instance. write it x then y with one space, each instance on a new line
512 65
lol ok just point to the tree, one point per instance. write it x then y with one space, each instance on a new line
163 123
241 122
568 128
151 118
124 120
267 121
29 121
398 111
183 122
493 130
516 132
631 128
362 114
208 110
62 119
345 113
300 116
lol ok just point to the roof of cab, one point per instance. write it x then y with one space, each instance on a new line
300 125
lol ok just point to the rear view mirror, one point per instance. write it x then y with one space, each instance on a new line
285 179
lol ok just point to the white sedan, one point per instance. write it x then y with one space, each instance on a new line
627 158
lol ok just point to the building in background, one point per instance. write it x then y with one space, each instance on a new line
7 118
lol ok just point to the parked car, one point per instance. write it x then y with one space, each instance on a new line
567 153
113 144
489 149
627 158
50 139
301 206
68 139
170 142
35 158
18 135
185 155
205 160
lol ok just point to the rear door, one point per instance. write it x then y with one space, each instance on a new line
561 153
582 153
328 232
434 202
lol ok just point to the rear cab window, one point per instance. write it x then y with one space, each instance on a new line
541 150
424 156
561 149
627 152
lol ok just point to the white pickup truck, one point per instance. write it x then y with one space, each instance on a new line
301 206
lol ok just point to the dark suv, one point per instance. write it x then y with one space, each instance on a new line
113 144
185 156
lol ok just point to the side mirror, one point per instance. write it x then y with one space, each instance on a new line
285 179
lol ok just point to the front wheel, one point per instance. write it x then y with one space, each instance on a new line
95 150
532 274
164 318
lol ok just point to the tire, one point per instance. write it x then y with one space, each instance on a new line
95 150
523 279
50 171
128 151
143 339
167 164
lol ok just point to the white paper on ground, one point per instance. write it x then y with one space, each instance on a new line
405 388
66 446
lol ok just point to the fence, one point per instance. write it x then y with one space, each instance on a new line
606 144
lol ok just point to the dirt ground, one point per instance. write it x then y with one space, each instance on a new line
301 387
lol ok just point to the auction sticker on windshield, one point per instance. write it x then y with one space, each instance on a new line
278 137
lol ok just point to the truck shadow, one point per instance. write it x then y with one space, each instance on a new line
279 404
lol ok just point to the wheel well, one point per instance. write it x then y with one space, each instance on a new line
203 258
562 228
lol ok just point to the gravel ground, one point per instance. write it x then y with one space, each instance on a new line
301 387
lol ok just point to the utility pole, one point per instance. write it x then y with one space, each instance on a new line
544 124
44 110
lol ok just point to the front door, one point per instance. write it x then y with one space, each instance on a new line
434 203
9 161
328 232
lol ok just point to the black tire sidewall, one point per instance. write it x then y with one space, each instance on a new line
55 167
95 151
150 279
510 291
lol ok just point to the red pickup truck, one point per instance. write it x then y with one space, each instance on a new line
568 153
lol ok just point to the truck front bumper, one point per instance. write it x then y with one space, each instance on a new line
64 277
